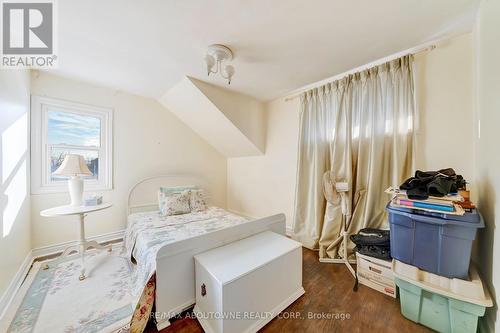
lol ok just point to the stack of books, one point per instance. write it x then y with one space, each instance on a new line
447 204
93 200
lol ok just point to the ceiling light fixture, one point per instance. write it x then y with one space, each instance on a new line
216 54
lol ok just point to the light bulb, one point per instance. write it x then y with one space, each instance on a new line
210 63
229 72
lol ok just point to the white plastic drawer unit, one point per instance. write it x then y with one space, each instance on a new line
241 286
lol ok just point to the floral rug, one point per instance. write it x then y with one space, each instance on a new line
53 299
117 295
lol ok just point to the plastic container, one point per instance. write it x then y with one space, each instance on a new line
437 243
445 305
472 291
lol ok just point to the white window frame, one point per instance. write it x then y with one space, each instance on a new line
40 158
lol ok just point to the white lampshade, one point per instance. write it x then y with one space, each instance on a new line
73 165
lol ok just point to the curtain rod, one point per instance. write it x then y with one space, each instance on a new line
415 50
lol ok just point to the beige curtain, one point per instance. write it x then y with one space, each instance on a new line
360 128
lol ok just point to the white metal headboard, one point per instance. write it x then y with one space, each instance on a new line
143 196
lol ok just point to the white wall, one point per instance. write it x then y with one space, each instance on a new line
487 147
265 185
148 140
258 186
232 123
14 172
445 95
243 111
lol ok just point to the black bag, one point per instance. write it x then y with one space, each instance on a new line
373 242
433 183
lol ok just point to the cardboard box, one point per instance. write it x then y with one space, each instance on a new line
376 274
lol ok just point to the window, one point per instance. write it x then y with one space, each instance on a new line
60 128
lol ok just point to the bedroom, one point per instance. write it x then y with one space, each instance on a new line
124 86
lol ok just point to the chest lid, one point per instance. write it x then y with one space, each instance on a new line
229 262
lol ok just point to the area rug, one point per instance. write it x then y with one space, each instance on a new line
53 299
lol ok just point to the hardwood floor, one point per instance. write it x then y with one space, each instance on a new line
328 291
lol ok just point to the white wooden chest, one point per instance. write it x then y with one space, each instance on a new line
241 286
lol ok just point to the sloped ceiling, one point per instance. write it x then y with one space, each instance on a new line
146 47
232 123
245 112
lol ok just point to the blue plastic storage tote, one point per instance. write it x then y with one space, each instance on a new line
437 243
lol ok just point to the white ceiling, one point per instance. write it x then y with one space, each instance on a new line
145 47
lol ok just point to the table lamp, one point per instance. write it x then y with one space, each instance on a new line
74 167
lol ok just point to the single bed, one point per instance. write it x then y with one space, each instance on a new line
166 245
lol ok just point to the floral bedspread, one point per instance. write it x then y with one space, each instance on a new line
119 292
147 232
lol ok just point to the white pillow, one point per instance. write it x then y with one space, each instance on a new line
197 201
174 203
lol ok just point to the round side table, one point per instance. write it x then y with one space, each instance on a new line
83 245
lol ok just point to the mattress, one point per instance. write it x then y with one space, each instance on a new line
147 232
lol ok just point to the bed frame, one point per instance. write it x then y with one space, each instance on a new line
175 276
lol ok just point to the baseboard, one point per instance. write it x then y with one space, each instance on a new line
336 261
15 284
18 279
59 248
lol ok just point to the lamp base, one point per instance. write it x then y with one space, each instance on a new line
75 187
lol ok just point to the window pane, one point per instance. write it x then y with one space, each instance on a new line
57 156
73 129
